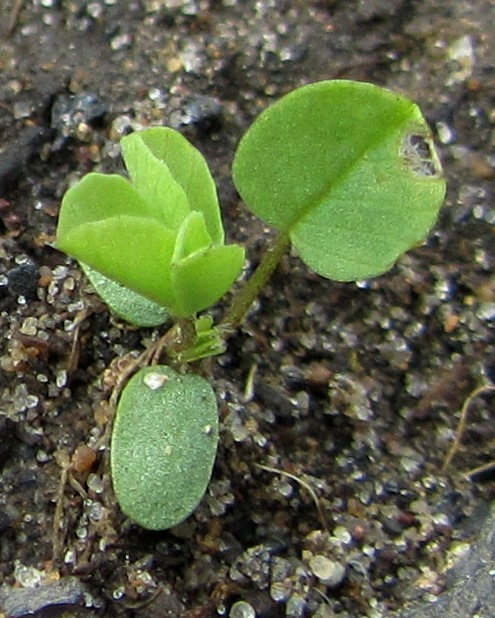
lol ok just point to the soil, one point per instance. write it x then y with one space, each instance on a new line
338 402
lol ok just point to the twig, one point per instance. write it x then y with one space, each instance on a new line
461 427
57 533
302 483
14 18
477 474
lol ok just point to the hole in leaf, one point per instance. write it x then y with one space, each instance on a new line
419 154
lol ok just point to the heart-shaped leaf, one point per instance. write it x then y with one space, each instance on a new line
164 444
348 170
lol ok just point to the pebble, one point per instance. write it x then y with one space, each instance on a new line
19 602
121 41
328 571
241 609
486 311
198 111
461 51
23 281
73 115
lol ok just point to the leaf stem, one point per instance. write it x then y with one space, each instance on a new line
248 294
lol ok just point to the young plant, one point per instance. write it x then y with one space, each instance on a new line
346 171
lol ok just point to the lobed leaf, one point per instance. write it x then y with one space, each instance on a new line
349 170
164 444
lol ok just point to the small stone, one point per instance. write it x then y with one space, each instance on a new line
191 58
61 378
23 281
27 576
461 51
71 113
486 311
96 511
174 65
154 381
446 133
296 606
22 109
328 571
120 126
83 459
121 41
69 592
200 111
42 456
95 10
241 609
29 327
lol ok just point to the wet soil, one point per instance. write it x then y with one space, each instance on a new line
338 402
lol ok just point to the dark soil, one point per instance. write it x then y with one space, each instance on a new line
357 387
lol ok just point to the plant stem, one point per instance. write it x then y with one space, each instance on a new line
248 294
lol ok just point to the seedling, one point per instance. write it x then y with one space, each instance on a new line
345 171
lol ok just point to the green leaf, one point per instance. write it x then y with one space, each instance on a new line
147 235
349 170
128 250
97 197
128 305
193 236
203 277
163 447
152 179
185 164
209 341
